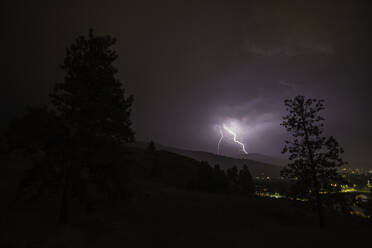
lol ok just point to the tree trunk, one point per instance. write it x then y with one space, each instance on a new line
64 209
65 201
320 211
314 178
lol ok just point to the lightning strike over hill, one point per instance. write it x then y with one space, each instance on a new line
219 142
234 138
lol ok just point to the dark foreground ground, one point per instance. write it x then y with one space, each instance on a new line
166 217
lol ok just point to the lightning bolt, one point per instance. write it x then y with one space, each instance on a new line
219 142
234 137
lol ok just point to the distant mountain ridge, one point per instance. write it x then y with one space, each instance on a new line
257 168
266 159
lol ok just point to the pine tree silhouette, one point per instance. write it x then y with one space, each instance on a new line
314 157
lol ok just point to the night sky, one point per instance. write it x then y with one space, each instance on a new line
193 65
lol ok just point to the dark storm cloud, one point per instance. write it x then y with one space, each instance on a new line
193 65
289 48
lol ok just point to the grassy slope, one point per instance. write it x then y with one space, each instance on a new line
188 219
168 217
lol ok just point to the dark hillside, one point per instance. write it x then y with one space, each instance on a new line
162 214
255 167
